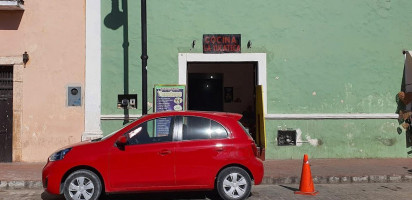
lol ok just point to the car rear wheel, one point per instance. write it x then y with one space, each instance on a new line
82 185
233 183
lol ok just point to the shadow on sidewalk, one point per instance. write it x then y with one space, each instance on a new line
290 188
47 196
146 196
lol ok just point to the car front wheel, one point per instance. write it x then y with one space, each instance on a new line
82 185
233 183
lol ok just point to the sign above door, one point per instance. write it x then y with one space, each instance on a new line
221 43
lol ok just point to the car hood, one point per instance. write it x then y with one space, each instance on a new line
83 143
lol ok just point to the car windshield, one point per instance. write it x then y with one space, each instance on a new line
112 133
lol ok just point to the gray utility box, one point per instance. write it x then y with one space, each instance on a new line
74 96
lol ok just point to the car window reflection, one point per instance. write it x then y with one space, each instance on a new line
197 128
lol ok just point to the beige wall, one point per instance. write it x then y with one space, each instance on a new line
53 34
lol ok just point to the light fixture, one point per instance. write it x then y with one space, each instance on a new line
25 57
249 44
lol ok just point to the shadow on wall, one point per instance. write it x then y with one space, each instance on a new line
10 20
114 20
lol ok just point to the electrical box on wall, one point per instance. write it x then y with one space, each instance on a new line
286 137
127 101
74 96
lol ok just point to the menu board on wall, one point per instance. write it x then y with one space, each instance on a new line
168 98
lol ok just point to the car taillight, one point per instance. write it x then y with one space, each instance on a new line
255 149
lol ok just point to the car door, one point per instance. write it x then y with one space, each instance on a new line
204 148
147 161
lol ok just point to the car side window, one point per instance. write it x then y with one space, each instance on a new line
152 131
198 128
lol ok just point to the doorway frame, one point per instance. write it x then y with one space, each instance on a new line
260 58
17 63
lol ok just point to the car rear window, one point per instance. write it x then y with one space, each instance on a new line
198 128
245 129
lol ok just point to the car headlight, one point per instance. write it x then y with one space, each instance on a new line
59 155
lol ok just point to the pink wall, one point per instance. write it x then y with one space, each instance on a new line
53 34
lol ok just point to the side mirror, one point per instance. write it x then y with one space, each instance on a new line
121 142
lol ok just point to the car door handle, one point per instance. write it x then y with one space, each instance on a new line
219 147
165 152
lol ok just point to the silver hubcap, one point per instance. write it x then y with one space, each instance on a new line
81 188
235 185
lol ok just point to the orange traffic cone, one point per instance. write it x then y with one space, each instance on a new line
306 183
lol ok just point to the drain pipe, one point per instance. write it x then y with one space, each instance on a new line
144 57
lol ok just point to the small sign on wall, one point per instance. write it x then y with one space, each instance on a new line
221 43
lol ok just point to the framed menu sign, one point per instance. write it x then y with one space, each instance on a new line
221 43
169 97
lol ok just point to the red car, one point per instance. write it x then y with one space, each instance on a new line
168 151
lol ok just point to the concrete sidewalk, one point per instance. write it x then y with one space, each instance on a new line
331 171
324 171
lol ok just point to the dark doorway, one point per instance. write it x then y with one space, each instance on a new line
232 89
205 91
229 87
6 113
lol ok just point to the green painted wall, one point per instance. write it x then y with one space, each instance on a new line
323 56
338 139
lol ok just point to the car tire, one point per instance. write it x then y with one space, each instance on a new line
233 183
82 185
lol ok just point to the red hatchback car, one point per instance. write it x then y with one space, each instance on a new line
168 151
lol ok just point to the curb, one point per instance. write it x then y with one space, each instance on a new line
341 179
29 184
20 185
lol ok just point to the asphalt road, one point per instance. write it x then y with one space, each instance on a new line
372 191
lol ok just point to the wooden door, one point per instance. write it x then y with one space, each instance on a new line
6 113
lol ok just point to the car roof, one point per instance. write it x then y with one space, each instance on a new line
212 114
